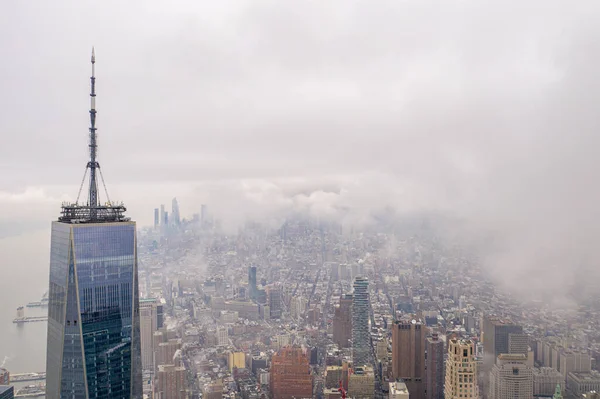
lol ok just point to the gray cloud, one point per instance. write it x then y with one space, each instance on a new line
485 111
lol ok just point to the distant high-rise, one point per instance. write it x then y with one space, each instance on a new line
545 381
333 376
342 322
222 336
203 214
175 216
4 376
156 218
162 214
461 370
576 361
166 349
361 337
496 339
361 383
170 382
275 302
150 322
252 282
511 378
290 376
408 356
334 269
298 306
434 365
93 347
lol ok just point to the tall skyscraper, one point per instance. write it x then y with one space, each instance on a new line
252 282
290 376
275 302
162 214
461 370
361 337
203 214
175 216
93 347
156 218
150 322
511 378
342 322
434 366
408 356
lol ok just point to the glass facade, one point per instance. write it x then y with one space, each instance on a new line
361 311
7 392
93 325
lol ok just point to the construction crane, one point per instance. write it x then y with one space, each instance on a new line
342 390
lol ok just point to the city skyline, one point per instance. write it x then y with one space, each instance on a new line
483 108
321 200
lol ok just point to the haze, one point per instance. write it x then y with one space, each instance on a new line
481 111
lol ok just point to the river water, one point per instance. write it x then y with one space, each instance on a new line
24 262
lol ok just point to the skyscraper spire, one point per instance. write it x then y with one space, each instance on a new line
93 164
93 211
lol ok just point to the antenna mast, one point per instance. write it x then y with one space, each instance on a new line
93 164
93 212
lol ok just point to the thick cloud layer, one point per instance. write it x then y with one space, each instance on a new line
485 111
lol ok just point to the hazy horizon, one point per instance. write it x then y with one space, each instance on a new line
482 112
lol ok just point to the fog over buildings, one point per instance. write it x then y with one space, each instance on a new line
483 115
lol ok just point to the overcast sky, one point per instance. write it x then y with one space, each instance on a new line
485 109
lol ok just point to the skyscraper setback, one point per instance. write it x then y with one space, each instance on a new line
93 309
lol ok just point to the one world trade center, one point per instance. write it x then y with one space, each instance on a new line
93 312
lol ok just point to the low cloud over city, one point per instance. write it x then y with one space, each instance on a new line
484 113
